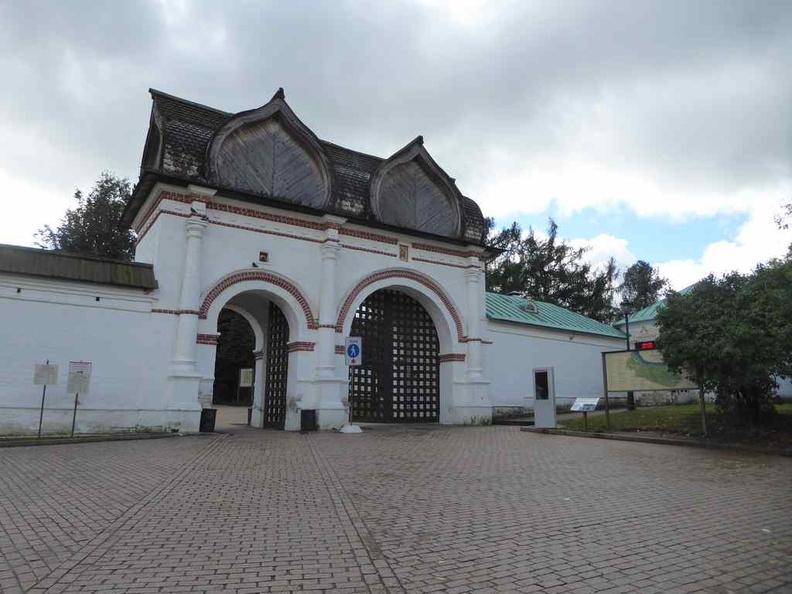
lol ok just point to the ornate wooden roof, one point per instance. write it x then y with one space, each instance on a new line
268 153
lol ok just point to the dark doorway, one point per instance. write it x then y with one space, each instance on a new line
235 347
399 379
277 369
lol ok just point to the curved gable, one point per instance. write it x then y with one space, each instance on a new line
410 190
270 152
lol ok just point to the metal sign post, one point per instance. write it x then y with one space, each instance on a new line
584 405
353 353
79 382
44 375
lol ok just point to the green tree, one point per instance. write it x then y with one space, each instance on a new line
93 226
733 335
552 270
642 285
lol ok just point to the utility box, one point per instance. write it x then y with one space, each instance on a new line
308 420
544 398
208 419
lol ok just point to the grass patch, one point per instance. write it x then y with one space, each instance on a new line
684 421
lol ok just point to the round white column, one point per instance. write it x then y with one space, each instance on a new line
327 307
473 277
189 298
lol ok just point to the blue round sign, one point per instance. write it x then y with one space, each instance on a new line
353 351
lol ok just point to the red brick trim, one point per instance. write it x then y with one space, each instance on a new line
362 249
177 312
266 231
148 226
326 326
370 236
300 346
439 262
261 276
441 250
275 218
258 355
163 196
451 357
207 338
340 349
408 274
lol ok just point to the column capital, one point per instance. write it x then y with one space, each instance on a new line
473 275
330 250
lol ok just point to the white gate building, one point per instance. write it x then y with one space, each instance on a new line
253 212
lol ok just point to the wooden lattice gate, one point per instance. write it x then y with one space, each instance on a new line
399 379
277 369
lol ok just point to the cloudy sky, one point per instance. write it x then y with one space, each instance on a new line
659 130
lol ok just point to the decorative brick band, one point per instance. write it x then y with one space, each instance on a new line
258 214
177 312
408 274
207 338
451 357
149 225
369 250
339 349
300 346
266 231
426 247
326 326
264 277
439 262
468 339
258 355
369 236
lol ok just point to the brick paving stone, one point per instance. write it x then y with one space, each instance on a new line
396 509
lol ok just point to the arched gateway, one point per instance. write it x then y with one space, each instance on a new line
399 378
311 243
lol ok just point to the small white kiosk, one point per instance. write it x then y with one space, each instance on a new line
544 398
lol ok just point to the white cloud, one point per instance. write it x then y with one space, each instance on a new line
603 247
759 239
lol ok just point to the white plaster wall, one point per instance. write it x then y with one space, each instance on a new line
132 347
517 349
62 321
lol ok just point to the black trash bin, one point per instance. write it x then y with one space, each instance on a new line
208 418
308 420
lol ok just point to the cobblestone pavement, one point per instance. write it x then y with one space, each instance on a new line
396 509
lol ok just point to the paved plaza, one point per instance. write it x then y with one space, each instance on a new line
396 509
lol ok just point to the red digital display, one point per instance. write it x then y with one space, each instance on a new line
645 346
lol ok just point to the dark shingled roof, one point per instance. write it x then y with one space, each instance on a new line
185 130
16 259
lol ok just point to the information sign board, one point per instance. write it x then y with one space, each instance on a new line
353 350
79 381
45 375
584 404
641 371
246 377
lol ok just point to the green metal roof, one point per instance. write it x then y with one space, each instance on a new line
648 314
16 259
511 308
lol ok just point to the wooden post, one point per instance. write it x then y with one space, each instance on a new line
585 420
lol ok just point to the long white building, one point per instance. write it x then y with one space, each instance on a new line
311 243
